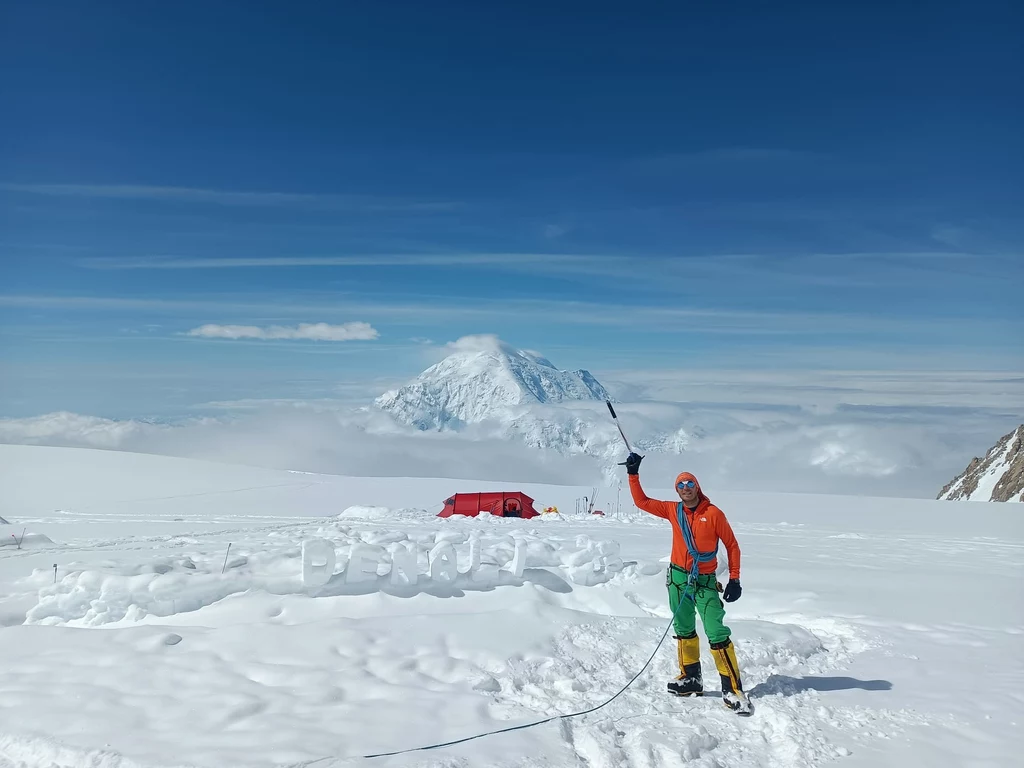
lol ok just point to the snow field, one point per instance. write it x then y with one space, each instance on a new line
144 655
308 669
259 679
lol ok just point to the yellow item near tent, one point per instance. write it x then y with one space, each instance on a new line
550 510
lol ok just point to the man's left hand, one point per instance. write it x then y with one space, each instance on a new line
733 590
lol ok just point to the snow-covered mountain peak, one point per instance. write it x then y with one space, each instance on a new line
997 477
481 379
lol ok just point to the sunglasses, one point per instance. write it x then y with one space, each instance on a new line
686 484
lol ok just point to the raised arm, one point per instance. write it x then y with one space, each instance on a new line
657 508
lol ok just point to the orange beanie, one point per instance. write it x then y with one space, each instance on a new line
688 476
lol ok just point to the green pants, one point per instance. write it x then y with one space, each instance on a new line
706 600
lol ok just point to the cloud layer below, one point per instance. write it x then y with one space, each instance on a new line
897 452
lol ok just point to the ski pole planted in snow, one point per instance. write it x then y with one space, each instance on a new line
225 566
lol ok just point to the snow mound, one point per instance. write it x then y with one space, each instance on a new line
360 512
26 751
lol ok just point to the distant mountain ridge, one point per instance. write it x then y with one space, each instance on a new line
999 476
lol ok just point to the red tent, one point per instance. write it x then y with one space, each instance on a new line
500 503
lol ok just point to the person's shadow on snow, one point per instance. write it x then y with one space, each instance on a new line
790 686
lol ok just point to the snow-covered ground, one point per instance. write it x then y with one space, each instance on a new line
871 631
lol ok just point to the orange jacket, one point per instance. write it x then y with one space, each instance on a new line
707 522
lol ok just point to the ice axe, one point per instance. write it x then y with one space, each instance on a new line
616 418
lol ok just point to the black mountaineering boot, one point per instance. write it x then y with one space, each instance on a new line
732 689
690 681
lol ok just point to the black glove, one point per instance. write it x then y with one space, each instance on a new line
632 463
733 590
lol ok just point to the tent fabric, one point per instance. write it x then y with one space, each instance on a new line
500 503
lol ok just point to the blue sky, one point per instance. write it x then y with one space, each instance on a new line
619 186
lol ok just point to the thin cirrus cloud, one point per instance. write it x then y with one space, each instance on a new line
362 203
707 320
844 269
368 260
307 331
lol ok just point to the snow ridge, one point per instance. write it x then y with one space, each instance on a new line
997 477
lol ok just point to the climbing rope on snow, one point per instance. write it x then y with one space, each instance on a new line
523 726
688 591
696 556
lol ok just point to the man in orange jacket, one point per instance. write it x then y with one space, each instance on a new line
697 528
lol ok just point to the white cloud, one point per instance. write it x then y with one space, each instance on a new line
860 432
472 343
760 450
515 261
480 342
692 319
311 331
318 438
72 430
822 391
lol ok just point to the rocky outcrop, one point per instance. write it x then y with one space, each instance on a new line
999 476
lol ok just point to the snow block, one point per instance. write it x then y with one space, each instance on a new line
404 571
443 565
342 559
318 561
360 512
362 563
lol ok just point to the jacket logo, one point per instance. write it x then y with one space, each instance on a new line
703 519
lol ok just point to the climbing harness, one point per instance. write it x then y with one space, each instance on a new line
696 557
